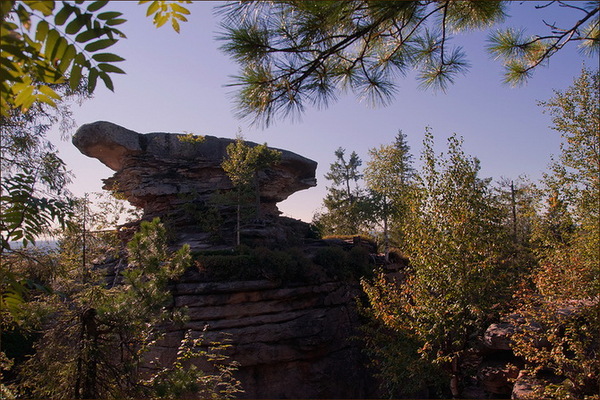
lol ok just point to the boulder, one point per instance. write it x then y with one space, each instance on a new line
498 336
523 387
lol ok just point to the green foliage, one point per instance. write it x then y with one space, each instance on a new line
389 168
244 161
95 336
570 331
345 205
33 179
183 379
301 52
455 250
335 261
226 267
64 43
576 116
289 265
521 54
92 323
25 216
298 52
341 264
564 287
243 164
398 365
568 232
163 11
191 138
389 175
44 43
206 215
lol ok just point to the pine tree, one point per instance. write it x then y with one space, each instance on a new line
389 176
344 203
299 52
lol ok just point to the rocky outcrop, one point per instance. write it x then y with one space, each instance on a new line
291 338
176 177
290 341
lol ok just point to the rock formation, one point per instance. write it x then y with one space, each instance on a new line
174 178
292 339
290 342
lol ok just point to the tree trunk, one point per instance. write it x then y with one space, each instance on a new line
257 196
455 379
386 239
514 210
87 363
238 217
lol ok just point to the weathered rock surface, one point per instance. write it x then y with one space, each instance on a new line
171 177
291 339
497 336
291 342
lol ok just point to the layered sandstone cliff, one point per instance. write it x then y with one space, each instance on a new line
292 338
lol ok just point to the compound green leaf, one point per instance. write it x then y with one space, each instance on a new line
109 15
95 6
75 26
45 99
152 8
45 7
92 79
59 48
49 92
117 21
180 9
61 17
110 68
161 20
100 44
107 57
107 81
25 97
89 35
180 17
8 64
67 58
53 36
41 31
175 25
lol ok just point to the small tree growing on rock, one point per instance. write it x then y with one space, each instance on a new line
242 165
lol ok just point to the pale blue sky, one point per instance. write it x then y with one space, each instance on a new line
176 83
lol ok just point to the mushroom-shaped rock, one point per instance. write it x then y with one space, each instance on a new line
164 173
107 142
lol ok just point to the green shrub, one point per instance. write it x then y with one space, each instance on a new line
260 263
344 265
398 257
229 267
335 262
359 260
